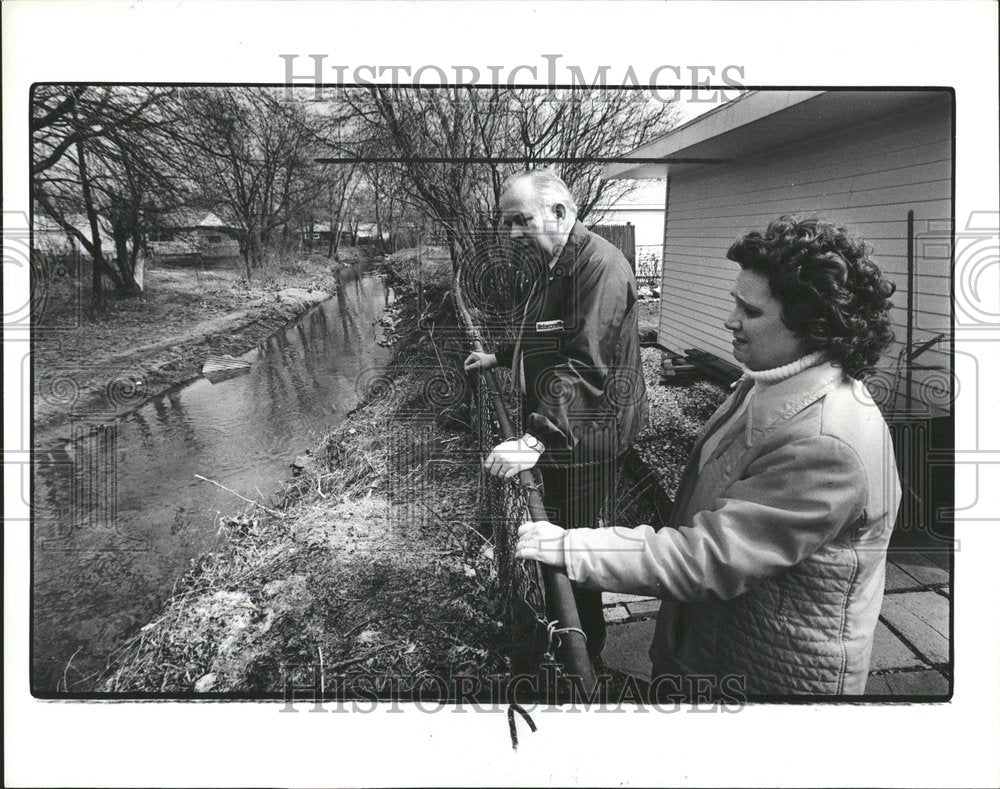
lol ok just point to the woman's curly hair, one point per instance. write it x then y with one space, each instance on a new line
832 294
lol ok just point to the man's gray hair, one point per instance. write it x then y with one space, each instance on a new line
547 185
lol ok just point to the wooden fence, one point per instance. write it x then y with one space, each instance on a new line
622 236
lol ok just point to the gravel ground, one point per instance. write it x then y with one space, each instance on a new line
649 315
677 413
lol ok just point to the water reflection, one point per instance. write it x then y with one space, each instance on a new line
118 511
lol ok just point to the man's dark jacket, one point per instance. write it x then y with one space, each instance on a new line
585 394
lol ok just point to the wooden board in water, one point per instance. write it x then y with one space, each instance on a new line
220 368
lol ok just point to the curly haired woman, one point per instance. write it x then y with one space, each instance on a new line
773 568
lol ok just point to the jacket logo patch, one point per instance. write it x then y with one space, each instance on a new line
541 326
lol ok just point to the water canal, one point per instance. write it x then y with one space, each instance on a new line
119 513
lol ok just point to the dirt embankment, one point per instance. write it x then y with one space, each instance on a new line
368 568
100 363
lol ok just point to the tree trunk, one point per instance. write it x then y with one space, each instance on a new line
76 235
254 248
391 221
125 263
138 271
244 244
378 225
97 258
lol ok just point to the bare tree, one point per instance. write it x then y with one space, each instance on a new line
411 126
109 154
254 155
450 148
586 126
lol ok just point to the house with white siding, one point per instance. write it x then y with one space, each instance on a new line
879 162
190 233
641 207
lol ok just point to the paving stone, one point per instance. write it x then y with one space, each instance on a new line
615 613
915 683
627 648
644 608
889 652
939 553
877 686
896 578
909 683
618 597
925 566
931 607
922 619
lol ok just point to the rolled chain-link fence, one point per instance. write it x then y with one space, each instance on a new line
503 505
495 286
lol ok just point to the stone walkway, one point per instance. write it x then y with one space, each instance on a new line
910 656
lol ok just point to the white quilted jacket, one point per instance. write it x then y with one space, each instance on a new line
774 568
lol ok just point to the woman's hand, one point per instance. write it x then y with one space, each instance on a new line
541 541
478 362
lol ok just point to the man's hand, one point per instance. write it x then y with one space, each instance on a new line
541 541
513 456
477 362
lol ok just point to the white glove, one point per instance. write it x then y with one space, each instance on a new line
513 456
541 541
477 362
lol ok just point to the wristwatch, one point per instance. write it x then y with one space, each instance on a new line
532 443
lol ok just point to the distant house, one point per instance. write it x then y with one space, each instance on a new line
364 233
316 235
861 158
367 232
634 224
643 208
193 234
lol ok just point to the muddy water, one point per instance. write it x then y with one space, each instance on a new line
119 513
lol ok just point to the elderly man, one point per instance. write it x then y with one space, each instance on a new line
577 361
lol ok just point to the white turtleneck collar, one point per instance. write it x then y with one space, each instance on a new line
761 380
786 371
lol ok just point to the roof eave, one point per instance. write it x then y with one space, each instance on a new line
655 157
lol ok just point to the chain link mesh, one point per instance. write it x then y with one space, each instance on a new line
504 506
496 287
